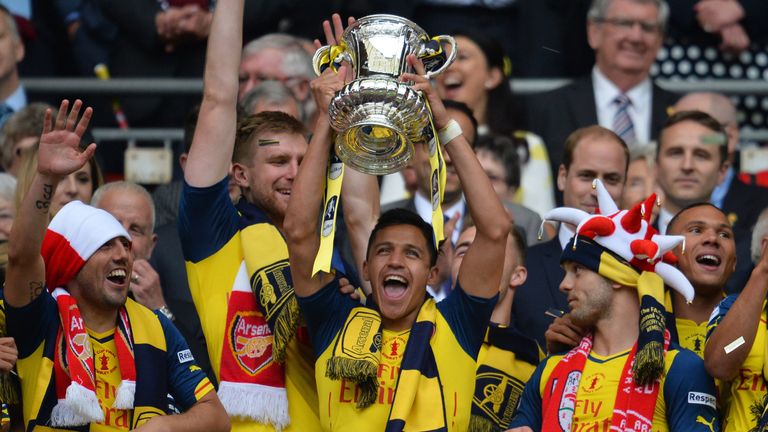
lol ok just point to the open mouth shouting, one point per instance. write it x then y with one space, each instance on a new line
118 276
709 261
395 287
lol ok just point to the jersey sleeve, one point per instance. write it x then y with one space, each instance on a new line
325 313
719 313
29 325
529 408
468 317
689 395
207 220
187 383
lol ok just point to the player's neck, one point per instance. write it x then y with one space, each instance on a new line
98 320
618 330
700 309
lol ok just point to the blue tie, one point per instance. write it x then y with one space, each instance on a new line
622 123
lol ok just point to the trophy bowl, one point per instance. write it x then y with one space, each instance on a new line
377 117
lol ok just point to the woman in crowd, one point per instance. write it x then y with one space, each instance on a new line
479 77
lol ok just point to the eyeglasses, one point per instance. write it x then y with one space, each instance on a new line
627 24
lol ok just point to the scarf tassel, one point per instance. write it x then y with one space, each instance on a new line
362 373
263 404
479 423
649 364
285 327
80 407
124 395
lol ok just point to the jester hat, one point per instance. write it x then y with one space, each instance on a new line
622 246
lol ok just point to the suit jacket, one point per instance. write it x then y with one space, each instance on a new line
555 114
540 291
743 203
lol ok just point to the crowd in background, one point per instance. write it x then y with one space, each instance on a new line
612 122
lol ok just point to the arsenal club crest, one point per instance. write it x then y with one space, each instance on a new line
251 341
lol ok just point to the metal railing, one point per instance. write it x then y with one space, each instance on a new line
166 86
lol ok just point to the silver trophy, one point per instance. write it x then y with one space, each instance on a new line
377 116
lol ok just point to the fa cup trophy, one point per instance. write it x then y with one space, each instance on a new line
377 117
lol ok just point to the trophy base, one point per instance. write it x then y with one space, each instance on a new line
374 146
378 120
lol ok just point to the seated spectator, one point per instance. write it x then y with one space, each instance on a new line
641 176
78 185
279 57
21 132
12 94
270 96
618 94
499 159
479 78
7 205
740 201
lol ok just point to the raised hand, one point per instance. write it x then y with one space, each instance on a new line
59 153
422 84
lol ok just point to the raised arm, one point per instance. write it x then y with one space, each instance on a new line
58 156
212 146
480 272
742 320
301 218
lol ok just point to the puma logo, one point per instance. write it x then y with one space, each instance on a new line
710 424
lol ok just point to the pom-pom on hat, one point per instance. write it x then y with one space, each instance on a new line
621 245
75 233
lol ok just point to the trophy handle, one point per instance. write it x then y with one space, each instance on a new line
329 56
320 59
442 39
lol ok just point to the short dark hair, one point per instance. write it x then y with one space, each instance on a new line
692 206
520 245
401 216
593 131
463 108
252 126
700 118
504 150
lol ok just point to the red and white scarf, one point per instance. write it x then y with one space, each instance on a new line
74 373
252 385
634 405
75 233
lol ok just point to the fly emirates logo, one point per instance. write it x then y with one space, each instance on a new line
392 349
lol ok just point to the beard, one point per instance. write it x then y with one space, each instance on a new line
594 307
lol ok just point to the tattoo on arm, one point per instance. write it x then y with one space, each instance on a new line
35 289
45 203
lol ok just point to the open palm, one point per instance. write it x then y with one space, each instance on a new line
59 153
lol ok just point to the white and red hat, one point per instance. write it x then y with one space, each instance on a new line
75 233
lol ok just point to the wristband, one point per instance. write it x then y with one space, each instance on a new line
165 310
449 132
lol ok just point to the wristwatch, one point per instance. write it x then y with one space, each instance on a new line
165 310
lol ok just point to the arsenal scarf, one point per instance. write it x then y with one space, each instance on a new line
632 409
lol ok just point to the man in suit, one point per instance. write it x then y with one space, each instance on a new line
618 94
12 94
590 153
740 201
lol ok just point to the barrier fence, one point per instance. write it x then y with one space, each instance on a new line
165 86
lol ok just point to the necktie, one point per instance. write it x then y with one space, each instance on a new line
5 113
622 123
